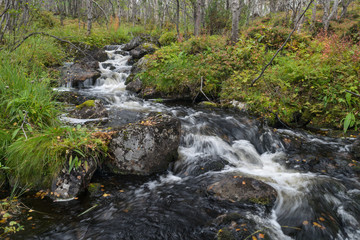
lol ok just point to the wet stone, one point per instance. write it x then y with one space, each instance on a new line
146 147
240 189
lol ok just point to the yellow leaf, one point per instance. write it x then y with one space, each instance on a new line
106 195
3 220
31 210
305 222
121 191
29 218
317 225
321 219
254 238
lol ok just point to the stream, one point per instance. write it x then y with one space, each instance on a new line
214 142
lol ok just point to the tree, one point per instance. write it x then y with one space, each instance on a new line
89 7
236 10
328 12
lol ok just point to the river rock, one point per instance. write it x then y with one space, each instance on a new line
138 67
90 109
142 50
134 86
240 189
68 185
69 97
355 149
79 72
146 147
137 41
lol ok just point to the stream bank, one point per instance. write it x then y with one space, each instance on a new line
217 146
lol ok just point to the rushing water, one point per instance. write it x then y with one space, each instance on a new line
174 205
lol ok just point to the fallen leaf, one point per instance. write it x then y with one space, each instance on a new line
106 195
29 218
238 229
254 238
317 225
321 219
121 191
261 235
243 182
305 222
31 210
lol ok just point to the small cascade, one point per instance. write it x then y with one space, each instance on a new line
173 205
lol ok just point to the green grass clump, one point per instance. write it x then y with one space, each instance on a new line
38 159
307 82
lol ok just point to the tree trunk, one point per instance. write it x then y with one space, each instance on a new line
313 20
177 18
89 5
197 17
345 4
327 14
236 9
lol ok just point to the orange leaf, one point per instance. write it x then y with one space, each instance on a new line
243 182
321 219
106 195
29 218
261 235
317 225
254 238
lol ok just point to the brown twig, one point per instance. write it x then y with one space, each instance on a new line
282 46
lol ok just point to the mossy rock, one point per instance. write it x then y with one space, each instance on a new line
88 104
209 104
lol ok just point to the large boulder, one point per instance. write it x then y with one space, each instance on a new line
240 189
137 41
70 182
135 86
142 50
146 147
70 97
79 72
90 109
138 67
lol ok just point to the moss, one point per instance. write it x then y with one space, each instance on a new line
88 103
208 104
231 217
260 201
225 234
94 188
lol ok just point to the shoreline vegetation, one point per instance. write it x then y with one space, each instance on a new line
312 84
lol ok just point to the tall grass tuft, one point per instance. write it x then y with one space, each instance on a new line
38 159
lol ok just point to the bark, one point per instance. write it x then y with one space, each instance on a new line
197 17
344 4
177 18
313 20
236 9
89 6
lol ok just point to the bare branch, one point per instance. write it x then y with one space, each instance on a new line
49 35
355 94
107 19
283 45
